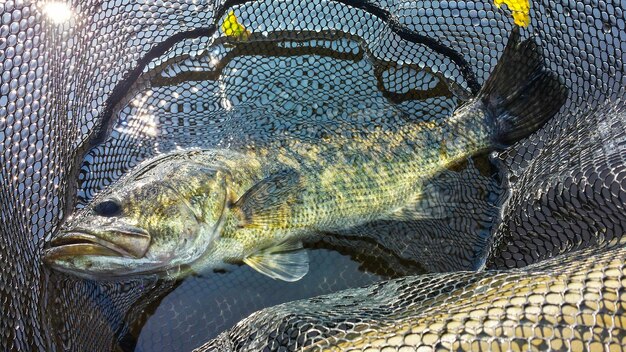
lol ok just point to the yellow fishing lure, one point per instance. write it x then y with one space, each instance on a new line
233 29
520 10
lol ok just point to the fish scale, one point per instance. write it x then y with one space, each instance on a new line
377 181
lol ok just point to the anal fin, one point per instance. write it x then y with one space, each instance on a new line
287 261
428 204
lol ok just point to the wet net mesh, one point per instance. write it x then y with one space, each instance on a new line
83 100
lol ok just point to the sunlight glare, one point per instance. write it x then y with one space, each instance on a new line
57 12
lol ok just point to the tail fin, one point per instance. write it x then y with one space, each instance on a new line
521 94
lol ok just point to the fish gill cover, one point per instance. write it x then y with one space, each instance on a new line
90 89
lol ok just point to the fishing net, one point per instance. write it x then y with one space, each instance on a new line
87 94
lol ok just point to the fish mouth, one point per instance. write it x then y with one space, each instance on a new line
127 243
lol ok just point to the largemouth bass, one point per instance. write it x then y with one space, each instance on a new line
197 210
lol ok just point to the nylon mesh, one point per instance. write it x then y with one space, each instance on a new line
83 101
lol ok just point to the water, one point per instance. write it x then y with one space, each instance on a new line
199 308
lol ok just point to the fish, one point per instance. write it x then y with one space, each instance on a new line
195 210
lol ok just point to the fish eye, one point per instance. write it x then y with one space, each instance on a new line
108 208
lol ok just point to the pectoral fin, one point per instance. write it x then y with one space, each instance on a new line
268 203
287 261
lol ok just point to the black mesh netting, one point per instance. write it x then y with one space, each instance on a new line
83 99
